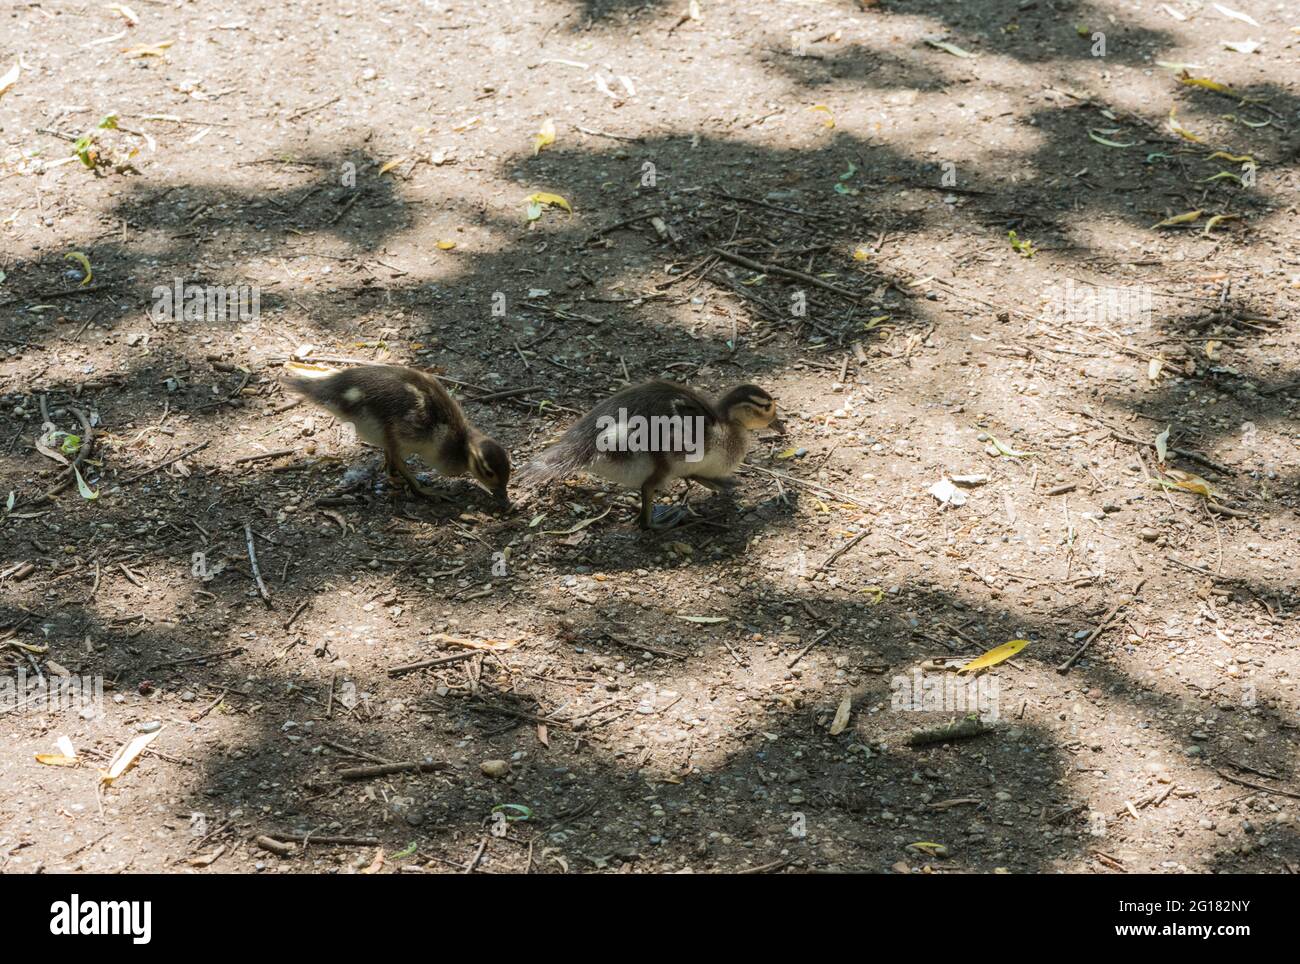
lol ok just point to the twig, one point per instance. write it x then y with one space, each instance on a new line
252 561
263 455
162 465
385 769
804 652
786 272
1258 786
841 550
438 661
1102 626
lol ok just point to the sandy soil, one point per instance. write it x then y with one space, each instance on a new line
731 695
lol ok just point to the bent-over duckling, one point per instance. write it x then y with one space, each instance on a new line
407 412
647 436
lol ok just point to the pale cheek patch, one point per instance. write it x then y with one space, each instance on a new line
353 395
419 396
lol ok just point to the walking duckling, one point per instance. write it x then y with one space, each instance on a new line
647 436
407 412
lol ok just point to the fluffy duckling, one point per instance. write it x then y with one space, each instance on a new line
407 412
647 436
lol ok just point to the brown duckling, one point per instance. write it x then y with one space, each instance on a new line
647 436
406 412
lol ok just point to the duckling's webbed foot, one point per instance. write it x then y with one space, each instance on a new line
668 516
396 466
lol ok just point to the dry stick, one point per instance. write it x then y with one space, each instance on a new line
1258 786
263 455
1104 625
786 272
385 769
841 550
763 204
311 838
84 449
350 751
256 572
1132 440
297 612
816 486
233 651
804 652
438 661
163 465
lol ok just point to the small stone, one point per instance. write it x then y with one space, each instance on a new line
495 769
1149 535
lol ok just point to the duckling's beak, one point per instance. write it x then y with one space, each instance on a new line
503 499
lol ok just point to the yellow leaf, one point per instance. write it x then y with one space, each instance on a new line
82 260
554 200
995 655
928 847
1180 130
1185 218
1000 449
1235 158
1211 347
829 120
860 253
148 50
125 12
56 760
875 592
9 79
1208 84
126 757
446 245
1191 483
948 48
389 165
1217 220
544 137
787 454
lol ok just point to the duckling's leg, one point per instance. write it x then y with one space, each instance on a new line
725 485
654 517
395 461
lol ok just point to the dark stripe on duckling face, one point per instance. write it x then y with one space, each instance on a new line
749 406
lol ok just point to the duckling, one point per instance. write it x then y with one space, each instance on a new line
647 436
407 412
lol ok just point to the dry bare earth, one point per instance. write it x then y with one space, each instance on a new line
638 740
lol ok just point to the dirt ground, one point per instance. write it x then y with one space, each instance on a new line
942 261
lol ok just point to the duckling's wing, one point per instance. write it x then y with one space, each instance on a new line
580 447
382 398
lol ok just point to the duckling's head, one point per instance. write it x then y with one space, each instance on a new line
490 465
749 407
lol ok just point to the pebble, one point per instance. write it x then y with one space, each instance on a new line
495 769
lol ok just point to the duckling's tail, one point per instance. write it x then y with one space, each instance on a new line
313 382
558 462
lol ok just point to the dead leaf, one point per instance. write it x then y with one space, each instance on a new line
544 137
842 714
9 79
994 656
1162 445
125 758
